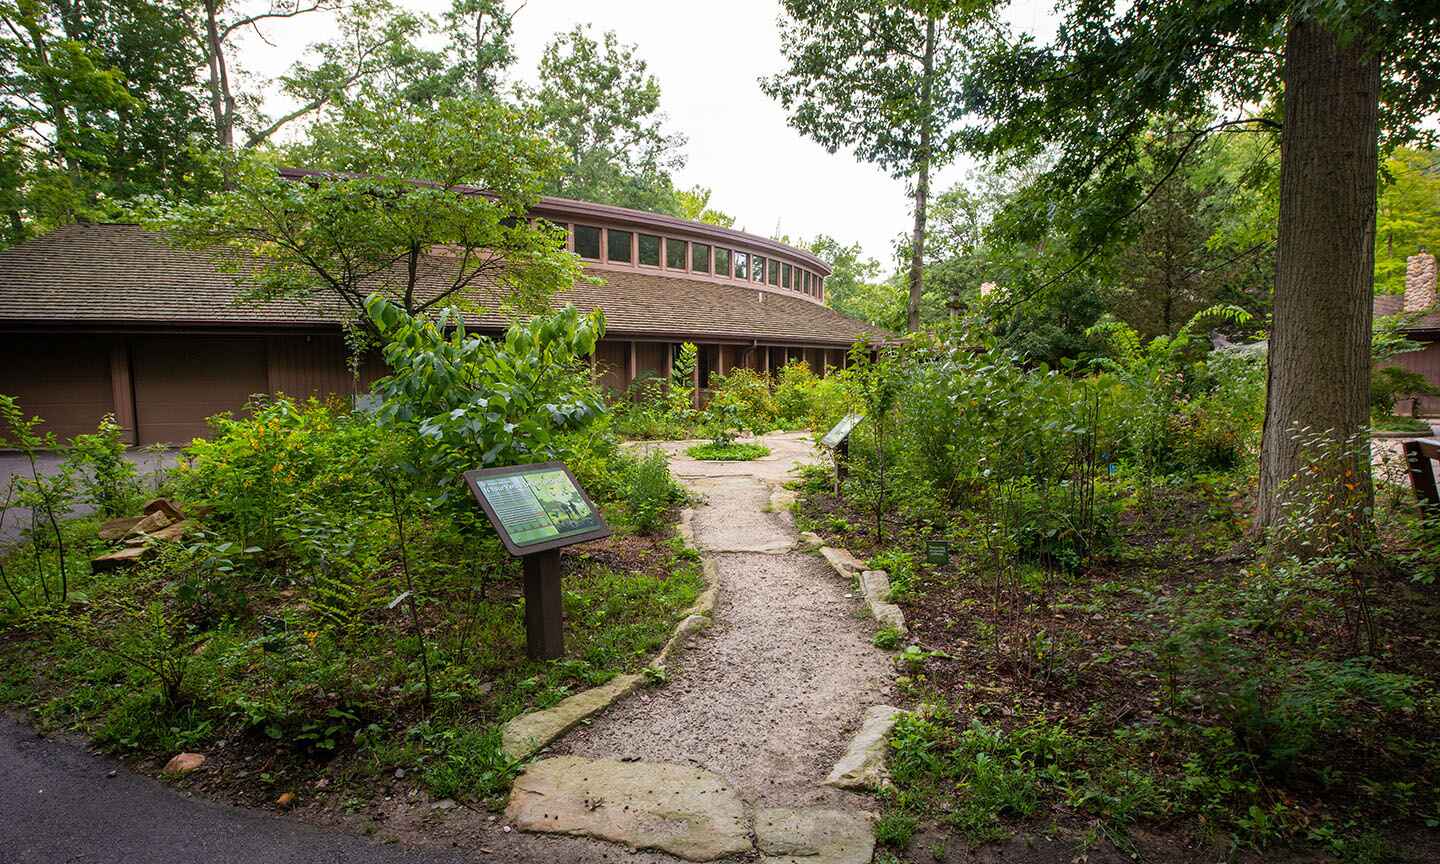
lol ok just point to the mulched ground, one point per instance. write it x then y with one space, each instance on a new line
1097 680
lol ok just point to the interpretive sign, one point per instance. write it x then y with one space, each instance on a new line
937 552
840 432
536 509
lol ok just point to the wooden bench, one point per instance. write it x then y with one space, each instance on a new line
1418 454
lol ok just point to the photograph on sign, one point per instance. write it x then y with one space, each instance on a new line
536 505
841 431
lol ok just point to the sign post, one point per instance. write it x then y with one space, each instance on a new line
536 510
837 441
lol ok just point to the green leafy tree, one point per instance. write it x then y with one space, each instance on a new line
883 79
375 39
601 105
473 401
854 287
98 100
1408 219
399 215
1320 74
694 204
479 48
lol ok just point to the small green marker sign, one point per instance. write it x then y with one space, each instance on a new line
937 552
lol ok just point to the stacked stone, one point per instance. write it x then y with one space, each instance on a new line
1420 282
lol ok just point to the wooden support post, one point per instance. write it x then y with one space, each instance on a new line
544 614
765 357
669 362
122 389
720 366
631 366
695 377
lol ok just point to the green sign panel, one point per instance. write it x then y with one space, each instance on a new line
840 431
536 507
937 552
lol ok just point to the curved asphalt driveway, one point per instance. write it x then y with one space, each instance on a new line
58 805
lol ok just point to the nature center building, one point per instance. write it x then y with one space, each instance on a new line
100 319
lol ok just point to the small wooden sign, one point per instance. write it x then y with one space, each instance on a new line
840 431
937 552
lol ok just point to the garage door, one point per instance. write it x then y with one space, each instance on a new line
180 381
65 380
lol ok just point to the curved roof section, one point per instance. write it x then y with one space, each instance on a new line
109 275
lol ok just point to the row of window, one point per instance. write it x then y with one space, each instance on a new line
628 247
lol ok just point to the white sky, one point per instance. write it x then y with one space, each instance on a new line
708 58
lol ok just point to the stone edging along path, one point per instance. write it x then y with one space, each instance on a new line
744 749
526 734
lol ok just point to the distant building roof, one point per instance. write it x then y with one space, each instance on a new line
116 274
1394 304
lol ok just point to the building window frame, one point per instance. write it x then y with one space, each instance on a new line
670 258
640 239
704 264
599 240
611 235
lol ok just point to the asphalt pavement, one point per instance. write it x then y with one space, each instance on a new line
60 804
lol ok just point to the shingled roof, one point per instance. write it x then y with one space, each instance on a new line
1394 304
112 274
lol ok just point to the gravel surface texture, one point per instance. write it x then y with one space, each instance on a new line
769 695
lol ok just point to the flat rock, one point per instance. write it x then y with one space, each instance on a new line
814 836
529 732
127 557
810 538
184 763
684 630
118 528
876 585
687 812
166 506
174 532
845 564
863 765
151 523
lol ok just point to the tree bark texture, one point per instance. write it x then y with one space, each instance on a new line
922 185
1319 357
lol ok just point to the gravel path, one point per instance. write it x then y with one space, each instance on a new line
770 694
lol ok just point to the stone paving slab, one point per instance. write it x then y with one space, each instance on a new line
863 765
685 811
529 732
814 836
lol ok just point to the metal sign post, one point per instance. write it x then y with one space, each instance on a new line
537 510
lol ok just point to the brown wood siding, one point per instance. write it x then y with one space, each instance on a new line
1427 363
612 360
182 380
650 357
64 380
306 366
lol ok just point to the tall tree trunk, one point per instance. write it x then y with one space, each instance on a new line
1319 363
922 185
222 102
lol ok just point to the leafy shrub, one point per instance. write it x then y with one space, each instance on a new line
108 480
651 492
466 400
734 452
1390 384
747 392
283 458
795 393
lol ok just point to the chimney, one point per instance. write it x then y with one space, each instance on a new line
1420 282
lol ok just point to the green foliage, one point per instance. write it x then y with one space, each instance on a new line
1391 384
48 495
650 491
794 393
395 222
732 452
1407 218
471 401
601 105
107 480
265 472
887 638
746 393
